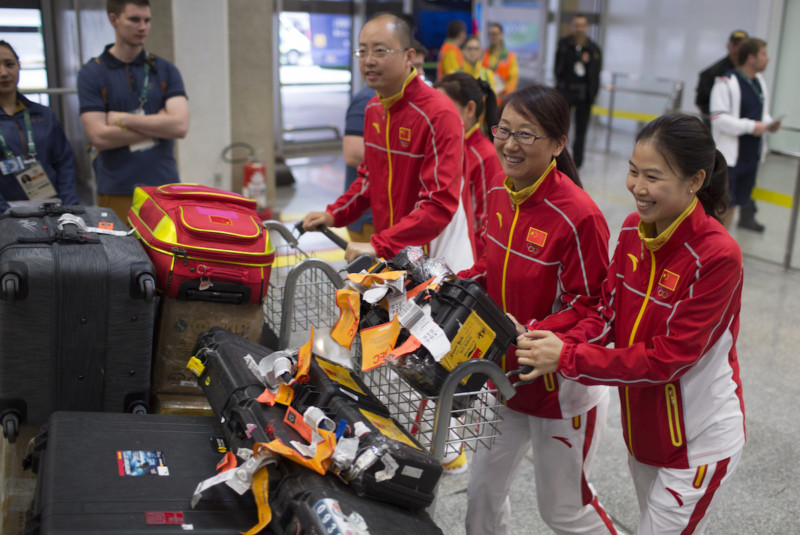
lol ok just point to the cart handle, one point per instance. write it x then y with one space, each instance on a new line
444 405
278 227
363 262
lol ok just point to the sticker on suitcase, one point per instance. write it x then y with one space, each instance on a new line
141 463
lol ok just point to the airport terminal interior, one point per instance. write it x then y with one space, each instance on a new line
285 106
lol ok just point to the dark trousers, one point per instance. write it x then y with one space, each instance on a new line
583 110
742 180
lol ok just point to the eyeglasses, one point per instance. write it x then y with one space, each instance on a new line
378 53
522 137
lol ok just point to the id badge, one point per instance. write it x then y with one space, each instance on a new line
11 166
35 183
145 144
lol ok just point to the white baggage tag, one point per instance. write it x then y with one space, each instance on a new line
422 326
35 183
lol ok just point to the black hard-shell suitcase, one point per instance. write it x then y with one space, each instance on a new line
104 473
77 312
476 327
231 389
307 503
390 464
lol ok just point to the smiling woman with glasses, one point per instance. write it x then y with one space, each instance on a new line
545 251
526 138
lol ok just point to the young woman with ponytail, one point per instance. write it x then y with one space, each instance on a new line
670 307
477 105
546 252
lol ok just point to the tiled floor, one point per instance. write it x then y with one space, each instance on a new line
763 495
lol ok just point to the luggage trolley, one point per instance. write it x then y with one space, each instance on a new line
302 294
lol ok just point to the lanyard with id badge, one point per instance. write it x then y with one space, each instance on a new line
150 142
28 171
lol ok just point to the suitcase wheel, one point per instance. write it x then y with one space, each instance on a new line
10 287
11 426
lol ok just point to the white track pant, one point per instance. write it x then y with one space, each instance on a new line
563 451
673 500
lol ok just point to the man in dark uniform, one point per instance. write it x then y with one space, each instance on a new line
706 79
578 65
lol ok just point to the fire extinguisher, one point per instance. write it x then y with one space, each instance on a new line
254 174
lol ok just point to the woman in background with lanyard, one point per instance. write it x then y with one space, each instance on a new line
37 162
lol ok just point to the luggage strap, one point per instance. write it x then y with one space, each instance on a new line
59 236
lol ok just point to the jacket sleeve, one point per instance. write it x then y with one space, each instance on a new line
477 272
595 67
353 202
703 90
63 161
723 116
559 67
581 277
439 182
708 308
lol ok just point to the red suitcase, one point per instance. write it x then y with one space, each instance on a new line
206 244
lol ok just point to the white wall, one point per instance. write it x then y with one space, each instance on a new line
679 38
201 54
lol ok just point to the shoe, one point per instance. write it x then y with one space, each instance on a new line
459 465
750 224
747 218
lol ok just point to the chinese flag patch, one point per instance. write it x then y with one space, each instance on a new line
669 280
537 237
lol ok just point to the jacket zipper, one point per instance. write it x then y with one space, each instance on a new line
630 343
389 159
673 415
508 254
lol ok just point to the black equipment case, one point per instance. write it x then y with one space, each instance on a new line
77 312
105 473
408 478
304 502
476 327
328 380
390 464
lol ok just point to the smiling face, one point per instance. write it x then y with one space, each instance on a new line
385 75
524 164
132 26
661 195
9 72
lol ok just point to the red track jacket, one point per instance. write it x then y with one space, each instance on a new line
546 253
412 175
671 307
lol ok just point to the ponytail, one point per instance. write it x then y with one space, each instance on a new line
713 194
489 108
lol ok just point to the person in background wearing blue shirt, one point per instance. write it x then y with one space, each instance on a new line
37 162
133 106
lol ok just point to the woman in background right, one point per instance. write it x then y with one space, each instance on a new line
670 305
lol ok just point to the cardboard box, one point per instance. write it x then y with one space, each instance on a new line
17 486
180 323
